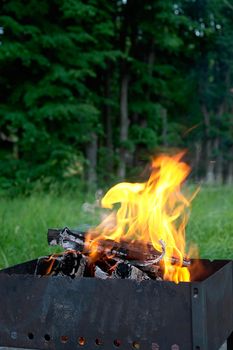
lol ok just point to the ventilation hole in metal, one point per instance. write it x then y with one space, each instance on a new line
30 336
64 339
117 342
14 335
195 295
175 347
197 348
47 337
155 346
98 341
136 345
81 341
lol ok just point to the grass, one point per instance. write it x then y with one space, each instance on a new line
211 223
24 223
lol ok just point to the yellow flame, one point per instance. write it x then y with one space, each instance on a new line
150 212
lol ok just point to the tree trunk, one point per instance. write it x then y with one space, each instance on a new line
219 170
219 162
124 126
229 179
164 126
208 144
151 61
91 151
209 164
109 122
197 159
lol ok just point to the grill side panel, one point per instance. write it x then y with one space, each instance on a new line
156 315
212 309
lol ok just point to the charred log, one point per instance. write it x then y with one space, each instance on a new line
100 273
70 263
125 270
66 238
140 255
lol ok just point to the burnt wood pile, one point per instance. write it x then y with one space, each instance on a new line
112 259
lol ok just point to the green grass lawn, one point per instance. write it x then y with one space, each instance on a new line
211 223
24 223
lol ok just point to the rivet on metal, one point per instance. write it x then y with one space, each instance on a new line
14 335
175 347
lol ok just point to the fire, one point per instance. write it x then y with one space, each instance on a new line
153 212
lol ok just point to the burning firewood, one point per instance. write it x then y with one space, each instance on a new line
100 273
112 259
144 238
72 239
125 270
69 263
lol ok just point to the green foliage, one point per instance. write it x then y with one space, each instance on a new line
61 69
144 136
48 105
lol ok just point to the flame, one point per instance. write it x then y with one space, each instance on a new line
151 212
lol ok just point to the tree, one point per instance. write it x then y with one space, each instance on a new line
91 89
51 108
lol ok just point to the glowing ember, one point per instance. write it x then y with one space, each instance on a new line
151 212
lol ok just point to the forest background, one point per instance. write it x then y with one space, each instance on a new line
91 89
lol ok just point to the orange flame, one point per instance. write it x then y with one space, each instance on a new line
151 212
